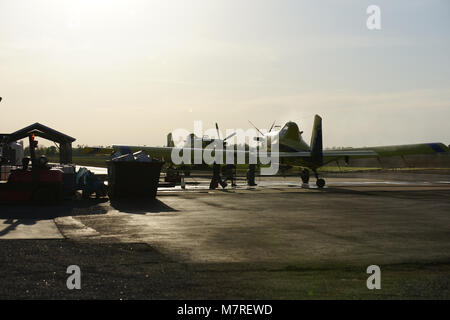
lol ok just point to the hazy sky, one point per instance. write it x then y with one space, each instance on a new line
126 71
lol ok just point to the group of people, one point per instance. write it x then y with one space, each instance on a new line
229 174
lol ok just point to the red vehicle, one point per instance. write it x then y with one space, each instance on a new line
47 186
38 183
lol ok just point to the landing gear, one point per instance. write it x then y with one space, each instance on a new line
319 181
305 176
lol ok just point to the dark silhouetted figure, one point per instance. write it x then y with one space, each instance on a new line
216 178
229 172
251 175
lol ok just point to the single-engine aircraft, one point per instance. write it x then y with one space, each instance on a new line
293 150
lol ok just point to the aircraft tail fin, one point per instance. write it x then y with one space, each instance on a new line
316 140
170 141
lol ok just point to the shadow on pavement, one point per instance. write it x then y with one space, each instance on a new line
438 194
139 206
14 223
45 212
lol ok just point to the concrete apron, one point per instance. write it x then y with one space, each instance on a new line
28 229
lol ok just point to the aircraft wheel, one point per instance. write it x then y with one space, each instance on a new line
320 183
305 176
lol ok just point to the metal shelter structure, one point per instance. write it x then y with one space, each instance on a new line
64 141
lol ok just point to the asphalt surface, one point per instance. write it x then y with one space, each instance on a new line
273 241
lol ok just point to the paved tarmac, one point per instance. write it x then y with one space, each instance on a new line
363 221
278 225
29 229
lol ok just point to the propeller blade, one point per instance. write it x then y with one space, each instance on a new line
217 128
271 127
256 128
231 135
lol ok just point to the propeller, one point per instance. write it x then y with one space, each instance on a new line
256 128
271 127
258 139
218 132
231 135
224 140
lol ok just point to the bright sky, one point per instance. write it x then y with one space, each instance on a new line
110 72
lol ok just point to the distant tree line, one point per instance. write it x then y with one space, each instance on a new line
53 151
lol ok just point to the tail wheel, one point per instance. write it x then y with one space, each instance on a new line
320 183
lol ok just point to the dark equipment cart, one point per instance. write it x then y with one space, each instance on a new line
133 179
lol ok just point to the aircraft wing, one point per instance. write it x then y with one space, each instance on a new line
372 152
297 154
165 153
156 152
350 153
410 149
385 151
96 150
